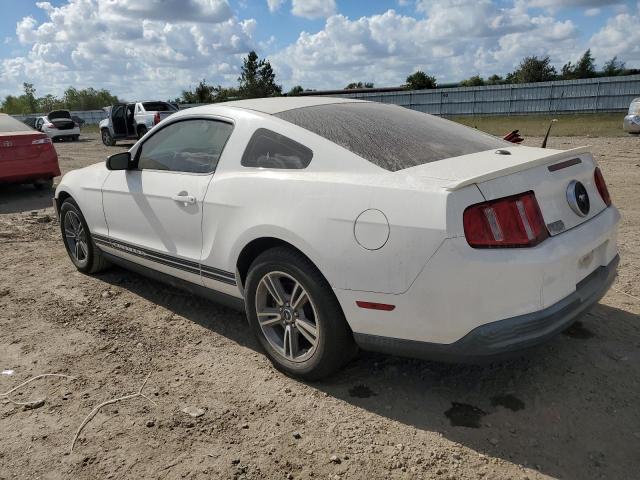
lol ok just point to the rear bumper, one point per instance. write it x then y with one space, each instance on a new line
500 338
57 133
631 124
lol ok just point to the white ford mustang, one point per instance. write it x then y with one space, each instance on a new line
337 223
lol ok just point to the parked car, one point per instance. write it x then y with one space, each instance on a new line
631 122
30 121
337 222
59 125
80 121
132 120
26 156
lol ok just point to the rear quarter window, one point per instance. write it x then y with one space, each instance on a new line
390 136
268 149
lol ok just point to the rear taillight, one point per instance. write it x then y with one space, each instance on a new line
41 141
513 222
76 125
156 118
601 185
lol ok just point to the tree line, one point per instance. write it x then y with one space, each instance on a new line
257 79
72 99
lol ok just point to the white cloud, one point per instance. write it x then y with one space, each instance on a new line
137 48
313 8
274 4
454 40
620 37
592 12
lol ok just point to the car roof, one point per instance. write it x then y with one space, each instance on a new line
282 104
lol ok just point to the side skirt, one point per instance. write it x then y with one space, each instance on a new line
218 297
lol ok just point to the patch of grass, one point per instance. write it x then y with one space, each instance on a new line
578 125
90 129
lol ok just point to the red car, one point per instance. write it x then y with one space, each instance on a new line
26 156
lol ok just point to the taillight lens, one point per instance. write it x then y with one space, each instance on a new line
513 222
601 185
41 141
156 118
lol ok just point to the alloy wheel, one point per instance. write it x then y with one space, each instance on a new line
76 236
287 316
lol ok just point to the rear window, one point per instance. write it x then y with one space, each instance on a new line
390 136
268 149
10 124
634 108
158 107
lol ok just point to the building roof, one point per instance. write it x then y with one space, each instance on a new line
282 104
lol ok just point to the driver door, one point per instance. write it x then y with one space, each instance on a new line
154 212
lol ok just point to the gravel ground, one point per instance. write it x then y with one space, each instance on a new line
567 410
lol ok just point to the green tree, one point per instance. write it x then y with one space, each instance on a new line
613 67
533 69
356 85
495 80
420 81
30 97
257 78
474 81
295 91
584 68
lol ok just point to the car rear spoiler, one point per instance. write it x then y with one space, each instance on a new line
513 163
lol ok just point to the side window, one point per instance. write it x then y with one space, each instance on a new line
191 146
268 149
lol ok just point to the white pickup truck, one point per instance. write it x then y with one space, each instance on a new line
132 120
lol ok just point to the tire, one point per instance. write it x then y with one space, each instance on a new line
334 344
46 184
142 131
107 139
76 138
87 259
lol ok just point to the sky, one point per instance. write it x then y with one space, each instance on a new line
153 49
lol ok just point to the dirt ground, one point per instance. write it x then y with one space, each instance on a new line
567 410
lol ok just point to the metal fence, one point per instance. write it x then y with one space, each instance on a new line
89 116
608 94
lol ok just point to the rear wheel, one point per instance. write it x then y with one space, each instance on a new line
76 138
295 315
107 139
77 239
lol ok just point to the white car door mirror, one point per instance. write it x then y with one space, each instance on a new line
119 161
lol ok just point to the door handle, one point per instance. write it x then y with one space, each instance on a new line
186 199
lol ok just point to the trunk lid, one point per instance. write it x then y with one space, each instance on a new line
19 146
548 173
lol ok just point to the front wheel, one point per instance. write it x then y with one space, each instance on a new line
107 138
82 251
295 315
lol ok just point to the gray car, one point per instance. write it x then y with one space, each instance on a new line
631 123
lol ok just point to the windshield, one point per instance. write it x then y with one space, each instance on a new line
59 114
634 108
390 136
10 124
158 107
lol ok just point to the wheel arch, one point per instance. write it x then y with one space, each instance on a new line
259 245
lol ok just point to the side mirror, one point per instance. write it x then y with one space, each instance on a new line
119 161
